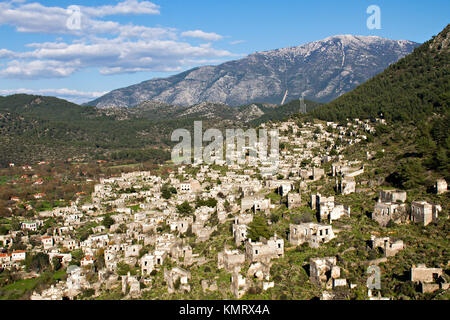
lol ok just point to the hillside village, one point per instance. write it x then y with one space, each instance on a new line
240 231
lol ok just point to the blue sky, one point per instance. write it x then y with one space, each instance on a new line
120 43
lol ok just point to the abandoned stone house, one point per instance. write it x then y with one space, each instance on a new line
110 260
76 281
147 263
346 185
132 250
131 282
422 273
385 212
191 186
430 279
64 258
55 292
424 212
338 168
317 173
324 272
100 240
230 259
322 204
160 256
140 216
202 214
238 284
222 215
337 212
6 240
285 188
180 224
259 270
346 169
47 242
389 247
265 250
313 233
243 218
392 196
327 208
99 229
163 242
182 251
209 285
294 200
255 203
177 279
202 233
239 233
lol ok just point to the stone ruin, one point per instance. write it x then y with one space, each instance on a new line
324 272
177 275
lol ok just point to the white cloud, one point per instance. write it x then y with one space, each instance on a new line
123 8
36 69
108 46
211 36
237 42
36 18
141 32
5 53
111 56
33 17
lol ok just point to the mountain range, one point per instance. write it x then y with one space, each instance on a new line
412 94
320 71
413 89
245 114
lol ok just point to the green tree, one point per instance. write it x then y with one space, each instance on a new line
227 206
123 269
274 218
100 259
409 175
210 202
56 263
259 228
122 228
15 224
167 190
177 284
77 255
185 208
108 221
3 230
37 262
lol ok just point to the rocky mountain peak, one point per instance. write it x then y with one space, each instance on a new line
320 70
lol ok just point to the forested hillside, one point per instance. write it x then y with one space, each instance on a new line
410 90
412 94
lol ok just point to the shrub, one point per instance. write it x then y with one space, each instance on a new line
258 228
184 208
